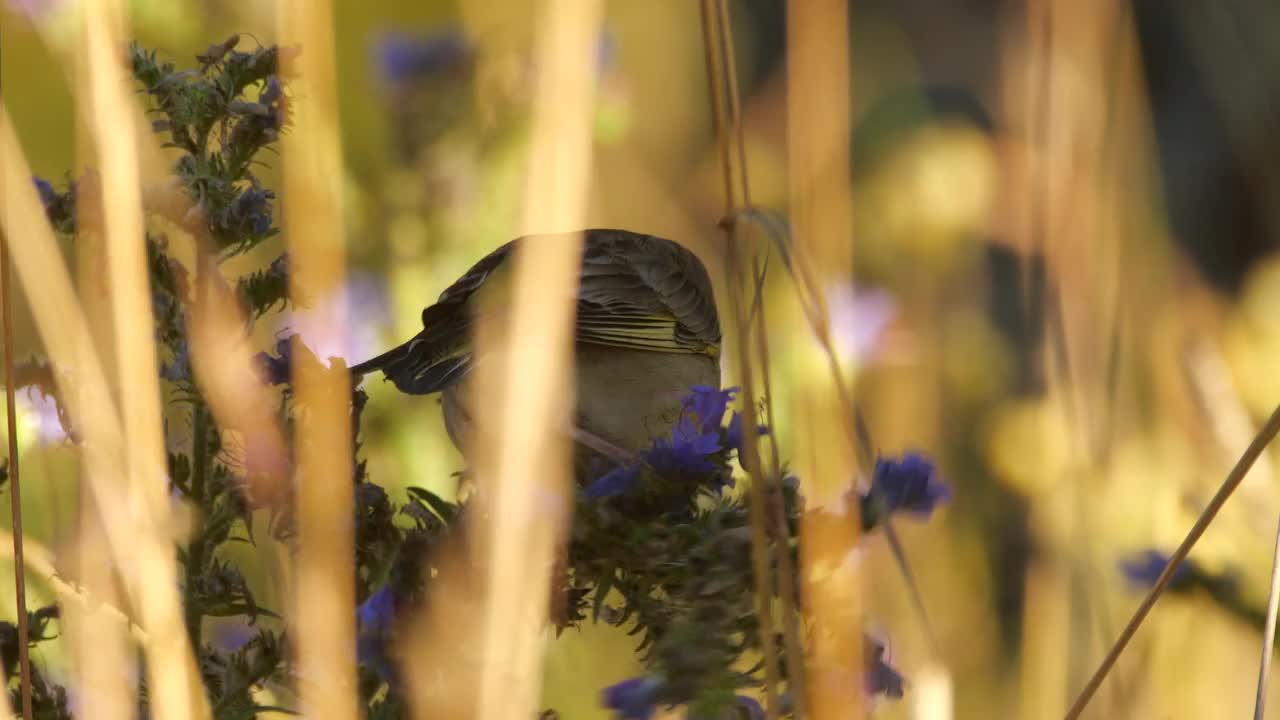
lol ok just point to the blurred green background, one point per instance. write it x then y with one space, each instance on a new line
1064 289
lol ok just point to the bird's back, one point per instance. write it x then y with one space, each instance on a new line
636 292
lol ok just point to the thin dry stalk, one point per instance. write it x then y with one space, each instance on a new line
522 446
324 598
1229 485
175 686
727 116
1269 631
786 571
15 485
39 560
776 522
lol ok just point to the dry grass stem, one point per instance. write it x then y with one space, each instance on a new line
1229 485
324 591
727 116
818 116
526 488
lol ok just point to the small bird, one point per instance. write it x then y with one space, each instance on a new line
646 332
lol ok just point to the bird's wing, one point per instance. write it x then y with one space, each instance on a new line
645 293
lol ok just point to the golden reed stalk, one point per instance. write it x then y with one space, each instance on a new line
15 484
818 119
172 680
478 650
523 450
726 113
324 589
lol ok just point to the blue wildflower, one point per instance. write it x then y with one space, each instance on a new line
253 208
683 454
749 708
275 368
231 637
48 196
402 58
179 370
375 617
377 612
272 92
615 482
733 435
708 404
1145 568
634 699
910 485
695 436
689 450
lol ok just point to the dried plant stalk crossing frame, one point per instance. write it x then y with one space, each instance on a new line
174 684
818 118
524 446
726 113
15 480
324 594
100 649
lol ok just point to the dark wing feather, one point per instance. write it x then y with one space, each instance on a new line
636 292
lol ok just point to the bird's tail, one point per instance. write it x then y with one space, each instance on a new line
428 362
382 361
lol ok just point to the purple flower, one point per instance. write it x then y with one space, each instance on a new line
859 318
689 450
36 10
615 482
252 210
750 708
48 196
48 419
275 368
634 699
881 678
695 436
179 370
231 636
402 58
1145 568
909 485
363 297
377 611
272 92
375 617
733 435
684 454
707 404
